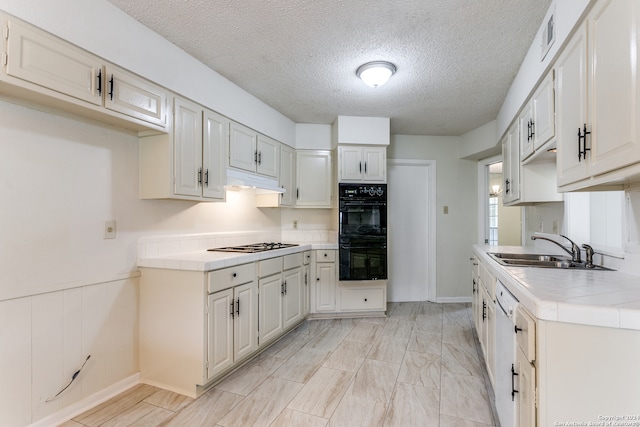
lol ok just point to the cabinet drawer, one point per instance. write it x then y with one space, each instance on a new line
270 266
326 256
292 261
306 257
526 332
362 299
232 276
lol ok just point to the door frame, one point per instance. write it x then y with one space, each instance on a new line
430 189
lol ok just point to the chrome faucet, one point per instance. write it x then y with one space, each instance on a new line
575 249
588 250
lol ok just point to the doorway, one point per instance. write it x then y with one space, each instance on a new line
411 234
500 225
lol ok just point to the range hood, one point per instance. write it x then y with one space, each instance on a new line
238 180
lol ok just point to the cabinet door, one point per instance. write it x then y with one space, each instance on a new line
187 134
292 310
544 126
314 179
268 156
325 287
243 152
571 107
350 160
40 58
271 296
245 330
287 175
526 387
526 131
613 89
306 282
214 148
134 96
375 164
220 336
491 340
511 164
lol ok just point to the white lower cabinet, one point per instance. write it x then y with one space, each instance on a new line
281 295
358 298
271 293
220 344
325 283
195 327
525 372
306 283
232 318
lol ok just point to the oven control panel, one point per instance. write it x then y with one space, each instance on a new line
357 191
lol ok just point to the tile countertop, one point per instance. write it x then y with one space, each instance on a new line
204 260
590 297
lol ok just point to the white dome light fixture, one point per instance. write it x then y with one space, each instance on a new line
376 73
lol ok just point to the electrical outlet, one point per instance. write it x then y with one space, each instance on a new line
445 210
109 229
295 224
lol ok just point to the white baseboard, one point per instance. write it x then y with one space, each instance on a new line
453 299
87 403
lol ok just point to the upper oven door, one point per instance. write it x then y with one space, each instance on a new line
363 218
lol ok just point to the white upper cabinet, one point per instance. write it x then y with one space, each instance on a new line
537 122
190 162
215 135
252 152
614 110
39 58
362 164
571 104
597 97
50 71
128 94
314 180
288 175
544 123
511 164
187 147
268 156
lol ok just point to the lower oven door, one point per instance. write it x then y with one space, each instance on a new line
363 262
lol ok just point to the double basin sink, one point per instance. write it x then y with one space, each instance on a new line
545 261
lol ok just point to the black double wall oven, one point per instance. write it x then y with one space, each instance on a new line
363 231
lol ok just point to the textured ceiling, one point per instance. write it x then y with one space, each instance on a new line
456 59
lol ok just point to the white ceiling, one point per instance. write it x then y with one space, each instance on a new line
456 59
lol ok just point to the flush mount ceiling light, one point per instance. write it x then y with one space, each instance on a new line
376 73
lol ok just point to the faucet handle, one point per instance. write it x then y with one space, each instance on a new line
589 253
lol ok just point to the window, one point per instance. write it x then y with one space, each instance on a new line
493 220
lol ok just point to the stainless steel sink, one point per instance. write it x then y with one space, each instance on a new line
541 260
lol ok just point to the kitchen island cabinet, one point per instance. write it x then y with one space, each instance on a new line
577 353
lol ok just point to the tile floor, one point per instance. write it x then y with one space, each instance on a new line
420 366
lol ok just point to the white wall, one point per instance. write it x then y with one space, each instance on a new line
106 31
65 292
456 188
480 143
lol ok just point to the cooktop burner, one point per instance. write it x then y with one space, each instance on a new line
254 247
